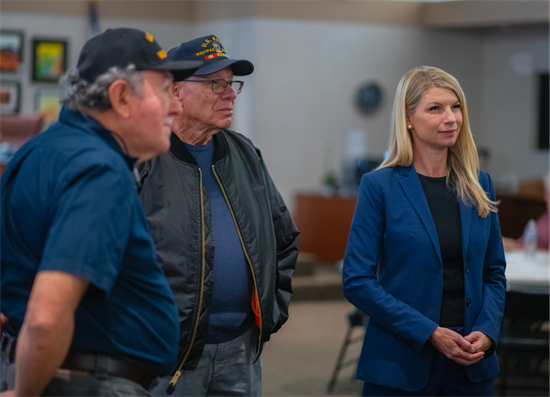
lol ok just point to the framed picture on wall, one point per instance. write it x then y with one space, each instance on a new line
49 60
10 97
46 103
11 50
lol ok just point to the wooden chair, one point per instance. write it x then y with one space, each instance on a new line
357 319
17 129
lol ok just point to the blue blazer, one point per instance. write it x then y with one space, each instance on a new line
393 226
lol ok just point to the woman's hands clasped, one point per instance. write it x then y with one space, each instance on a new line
465 350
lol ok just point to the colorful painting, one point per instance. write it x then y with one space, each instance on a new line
49 60
47 105
10 97
11 50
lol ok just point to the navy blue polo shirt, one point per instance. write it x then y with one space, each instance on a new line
69 203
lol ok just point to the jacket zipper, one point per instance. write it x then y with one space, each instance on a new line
176 376
247 258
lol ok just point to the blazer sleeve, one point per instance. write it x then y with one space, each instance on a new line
494 279
361 286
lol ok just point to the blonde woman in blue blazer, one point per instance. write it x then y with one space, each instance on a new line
424 257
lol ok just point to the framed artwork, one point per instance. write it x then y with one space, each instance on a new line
10 96
11 50
46 103
49 60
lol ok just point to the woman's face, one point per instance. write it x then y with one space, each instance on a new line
436 121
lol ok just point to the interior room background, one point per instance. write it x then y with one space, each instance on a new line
311 58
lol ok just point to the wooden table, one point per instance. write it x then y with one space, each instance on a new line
324 223
514 211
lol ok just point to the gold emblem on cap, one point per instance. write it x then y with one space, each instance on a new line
149 37
162 54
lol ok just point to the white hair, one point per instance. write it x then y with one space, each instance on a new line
79 94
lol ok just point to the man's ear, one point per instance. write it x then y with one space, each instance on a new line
176 89
119 95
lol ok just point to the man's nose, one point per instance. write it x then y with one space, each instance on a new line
229 93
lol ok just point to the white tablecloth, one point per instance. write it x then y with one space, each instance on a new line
527 272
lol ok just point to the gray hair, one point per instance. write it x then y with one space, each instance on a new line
79 94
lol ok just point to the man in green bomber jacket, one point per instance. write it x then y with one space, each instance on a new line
223 234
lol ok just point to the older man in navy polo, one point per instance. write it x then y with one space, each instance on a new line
81 289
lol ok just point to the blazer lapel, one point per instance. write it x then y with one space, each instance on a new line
413 190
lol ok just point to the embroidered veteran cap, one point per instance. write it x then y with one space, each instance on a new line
209 49
123 46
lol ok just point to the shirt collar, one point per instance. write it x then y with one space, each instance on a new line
92 126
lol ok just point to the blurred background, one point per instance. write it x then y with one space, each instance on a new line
318 106
313 57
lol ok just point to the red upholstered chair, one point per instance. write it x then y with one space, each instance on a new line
15 130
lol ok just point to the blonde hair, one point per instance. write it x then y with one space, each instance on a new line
462 156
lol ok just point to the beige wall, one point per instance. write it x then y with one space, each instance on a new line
300 97
508 123
307 77
74 29
426 13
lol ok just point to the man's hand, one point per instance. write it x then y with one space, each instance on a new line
479 341
7 393
455 347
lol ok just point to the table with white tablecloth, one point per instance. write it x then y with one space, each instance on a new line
524 272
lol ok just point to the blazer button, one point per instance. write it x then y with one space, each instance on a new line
467 268
468 303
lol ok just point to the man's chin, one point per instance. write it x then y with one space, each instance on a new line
225 124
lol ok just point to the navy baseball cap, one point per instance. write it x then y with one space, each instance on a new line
209 49
123 46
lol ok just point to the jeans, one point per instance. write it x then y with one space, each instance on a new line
225 369
7 373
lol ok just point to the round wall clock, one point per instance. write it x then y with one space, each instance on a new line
369 98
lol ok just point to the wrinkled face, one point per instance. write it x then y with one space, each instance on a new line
436 121
204 109
151 112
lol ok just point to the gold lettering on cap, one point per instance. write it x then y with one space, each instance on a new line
204 52
149 37
162 54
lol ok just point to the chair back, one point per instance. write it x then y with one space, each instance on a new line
523 309
17 129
